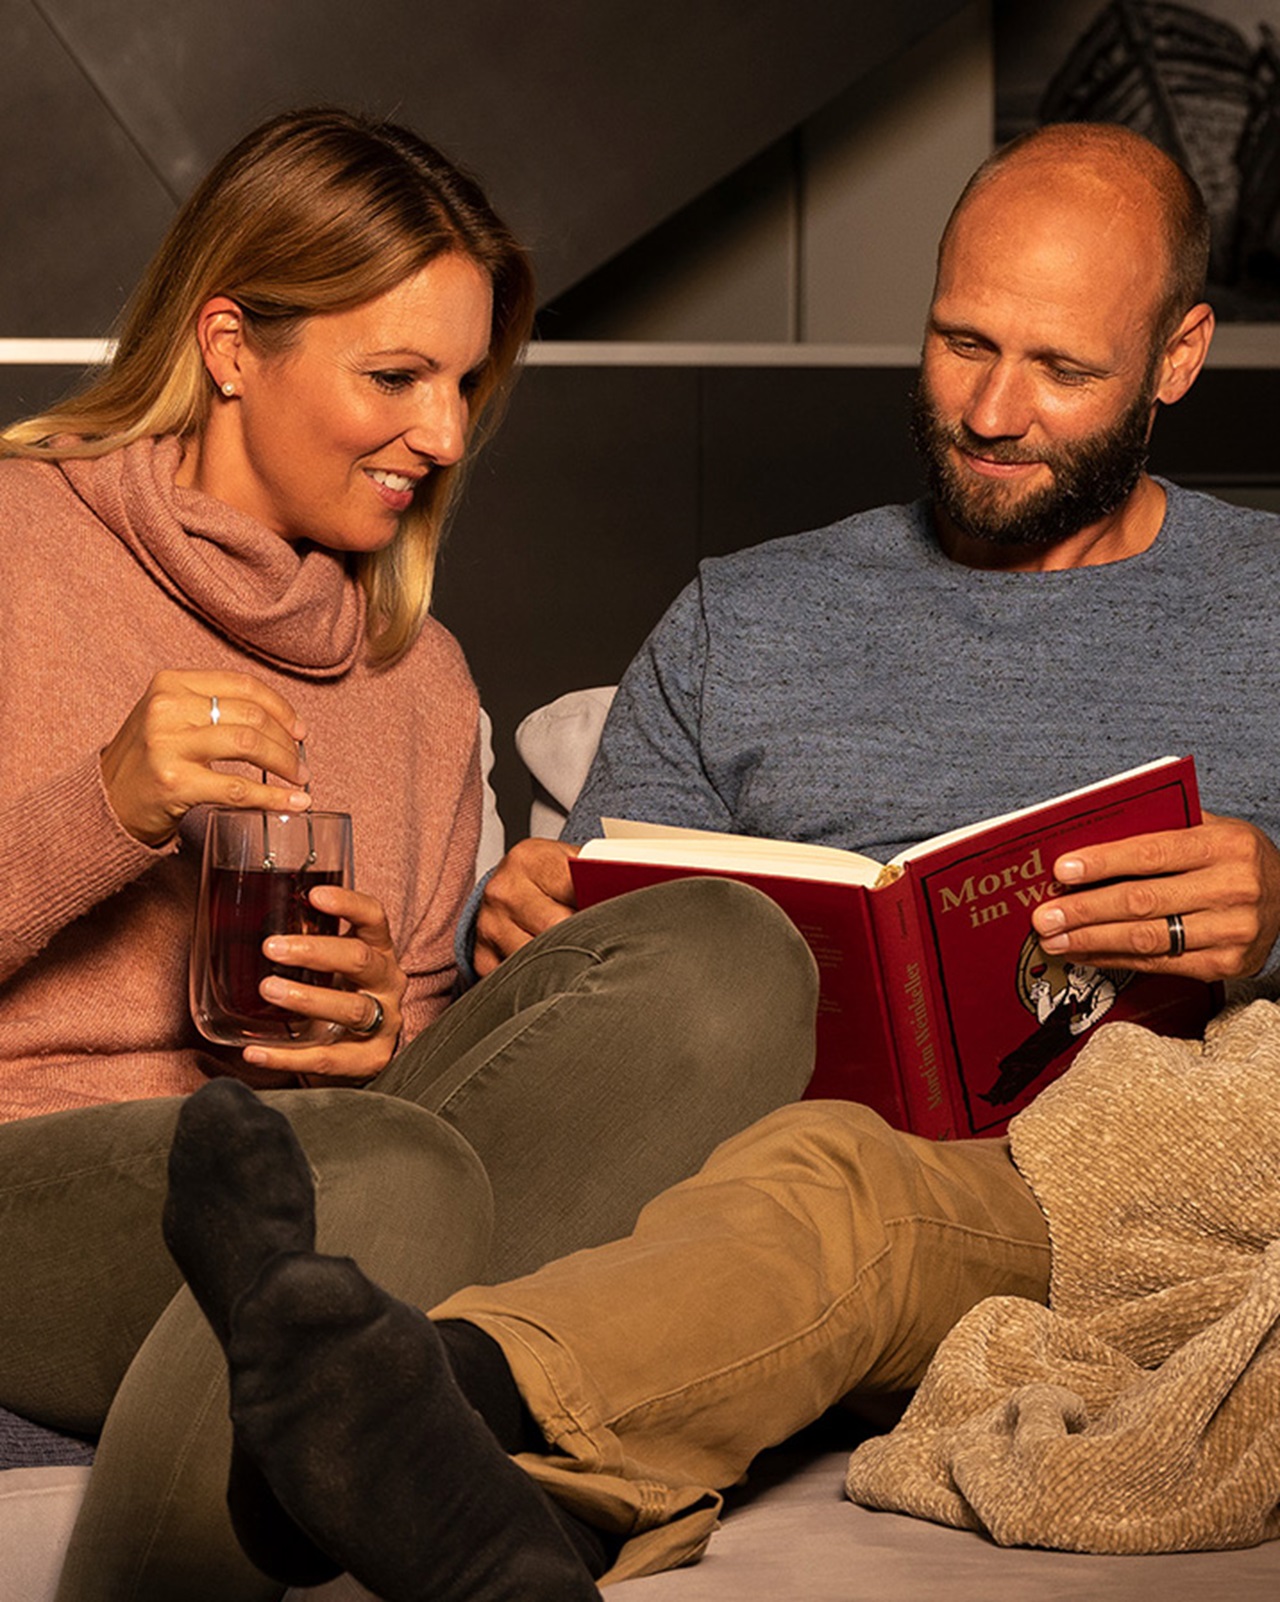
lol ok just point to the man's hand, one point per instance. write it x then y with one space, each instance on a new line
1222 877
530 891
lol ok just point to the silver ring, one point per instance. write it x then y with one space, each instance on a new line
215 711
1177 934
374 1024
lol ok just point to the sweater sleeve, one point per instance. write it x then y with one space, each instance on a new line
62 852
650 765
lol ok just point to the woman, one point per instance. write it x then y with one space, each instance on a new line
283 477
219 551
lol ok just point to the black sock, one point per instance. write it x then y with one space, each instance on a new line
344 1399
480 1368
241 1195
240 1191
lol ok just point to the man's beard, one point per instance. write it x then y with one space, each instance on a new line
1090 478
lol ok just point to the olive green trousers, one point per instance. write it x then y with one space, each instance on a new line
595 1068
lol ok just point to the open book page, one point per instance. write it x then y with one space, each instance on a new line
983 824
627 841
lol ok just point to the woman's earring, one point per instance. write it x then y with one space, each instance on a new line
228 388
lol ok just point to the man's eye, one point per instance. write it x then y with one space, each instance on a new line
392 382
1067 375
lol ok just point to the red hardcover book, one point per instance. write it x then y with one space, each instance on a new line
937 1006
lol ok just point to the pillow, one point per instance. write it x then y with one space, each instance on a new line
557 743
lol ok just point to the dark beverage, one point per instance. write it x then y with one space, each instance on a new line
258 874
246 906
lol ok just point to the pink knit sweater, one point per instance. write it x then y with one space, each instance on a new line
108 573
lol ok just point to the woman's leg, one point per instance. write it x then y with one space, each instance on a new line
90 1313
373 1385
604 1061
84 1271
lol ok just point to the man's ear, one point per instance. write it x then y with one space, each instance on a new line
220 334
1184 354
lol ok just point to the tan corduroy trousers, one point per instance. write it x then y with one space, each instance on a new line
817 1254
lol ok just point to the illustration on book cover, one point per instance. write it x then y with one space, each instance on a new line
1066 999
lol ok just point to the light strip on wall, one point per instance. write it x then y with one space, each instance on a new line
1234 345
552 353
54 352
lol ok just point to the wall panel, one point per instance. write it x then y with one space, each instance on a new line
82 207
578 527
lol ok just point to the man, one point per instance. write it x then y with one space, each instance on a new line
1045 359
885 679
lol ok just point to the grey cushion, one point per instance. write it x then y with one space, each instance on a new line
27 1445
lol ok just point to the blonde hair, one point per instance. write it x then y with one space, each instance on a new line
315 211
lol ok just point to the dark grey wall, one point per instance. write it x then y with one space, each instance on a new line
590 122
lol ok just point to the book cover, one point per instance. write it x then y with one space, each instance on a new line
937 1006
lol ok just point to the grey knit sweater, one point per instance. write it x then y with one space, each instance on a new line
854 686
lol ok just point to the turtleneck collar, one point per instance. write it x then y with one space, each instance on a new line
295 608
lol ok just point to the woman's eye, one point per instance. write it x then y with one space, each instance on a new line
392 382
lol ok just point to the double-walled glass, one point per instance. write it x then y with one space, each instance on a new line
257 875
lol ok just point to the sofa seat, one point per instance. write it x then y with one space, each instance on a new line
790 1536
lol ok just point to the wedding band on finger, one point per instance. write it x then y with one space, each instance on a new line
215 711
365 1030
1177 934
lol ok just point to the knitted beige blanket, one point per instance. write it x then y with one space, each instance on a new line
1141 1413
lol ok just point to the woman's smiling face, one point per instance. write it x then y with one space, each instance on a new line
328 440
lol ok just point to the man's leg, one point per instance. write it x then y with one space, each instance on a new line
602 1063
818 1253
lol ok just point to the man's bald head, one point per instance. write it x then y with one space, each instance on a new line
1111 168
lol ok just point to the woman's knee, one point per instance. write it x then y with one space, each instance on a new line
397 1188
707 912
724 967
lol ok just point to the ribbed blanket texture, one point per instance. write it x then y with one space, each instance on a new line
1140 1412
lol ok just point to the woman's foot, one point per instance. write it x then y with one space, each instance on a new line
240 1192
354 1448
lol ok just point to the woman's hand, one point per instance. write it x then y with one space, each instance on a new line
364 961
158 765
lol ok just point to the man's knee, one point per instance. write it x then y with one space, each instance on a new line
824 1140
